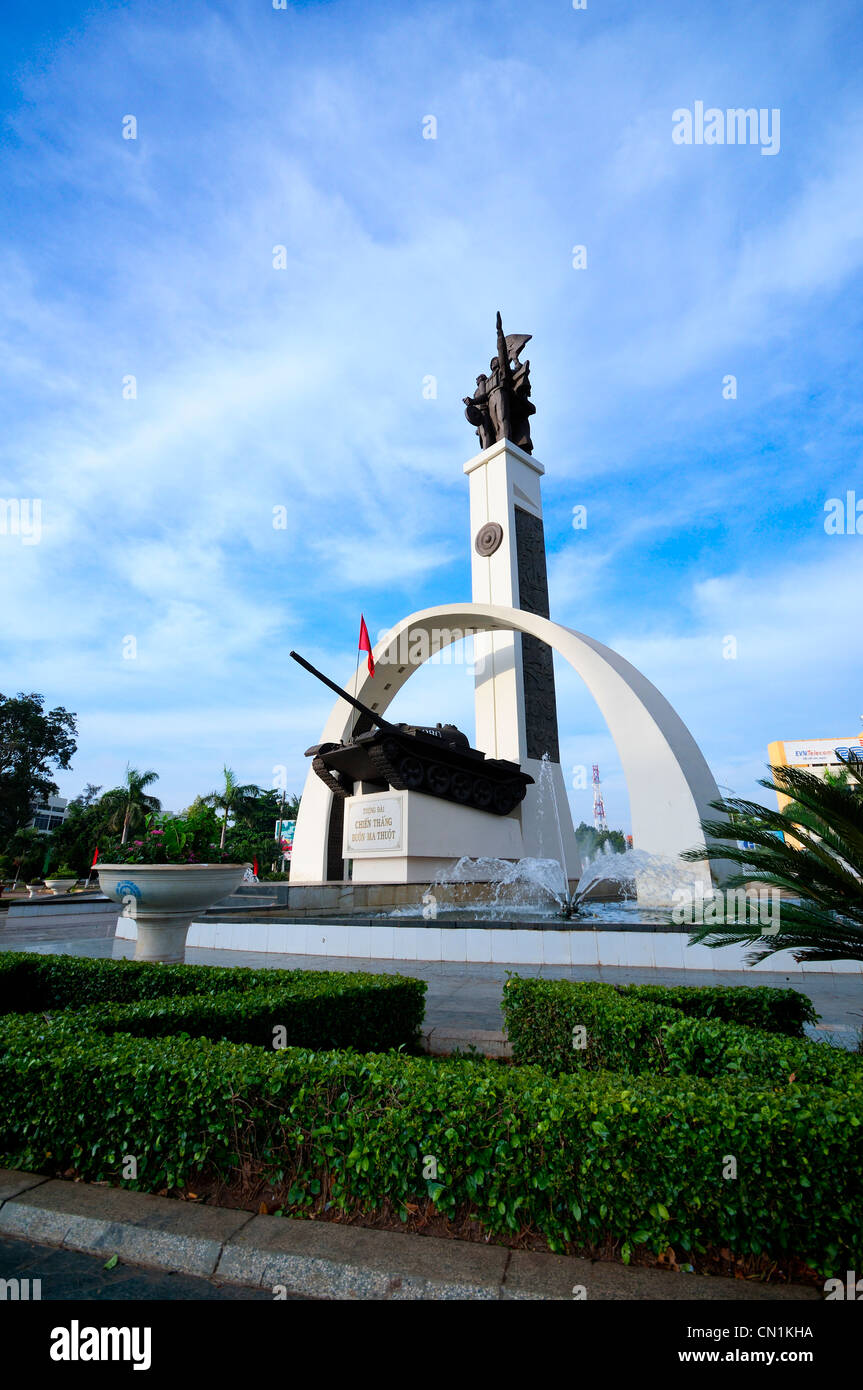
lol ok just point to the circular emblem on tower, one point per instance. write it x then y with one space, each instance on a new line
488 538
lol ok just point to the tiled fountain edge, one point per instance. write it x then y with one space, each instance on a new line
515 944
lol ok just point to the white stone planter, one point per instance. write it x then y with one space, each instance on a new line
60 885
164 898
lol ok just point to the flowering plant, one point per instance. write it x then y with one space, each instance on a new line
168 840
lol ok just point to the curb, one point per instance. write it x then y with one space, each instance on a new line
326 1260
443 1041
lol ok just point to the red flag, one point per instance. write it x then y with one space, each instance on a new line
365 644
255 869
95 857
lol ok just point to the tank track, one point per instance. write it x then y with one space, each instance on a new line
385 765
405 771
330 779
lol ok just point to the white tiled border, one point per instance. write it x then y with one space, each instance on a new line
515 945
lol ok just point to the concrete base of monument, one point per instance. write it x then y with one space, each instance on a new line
405 836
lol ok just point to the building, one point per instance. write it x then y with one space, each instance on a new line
815 755
48 816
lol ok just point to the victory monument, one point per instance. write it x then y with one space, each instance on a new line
402 803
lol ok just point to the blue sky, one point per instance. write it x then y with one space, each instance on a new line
303 387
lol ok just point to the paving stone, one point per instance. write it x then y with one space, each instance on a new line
155 1231
12 1183
539 1276
323 1259
446 1039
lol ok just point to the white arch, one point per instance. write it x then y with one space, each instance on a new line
670 785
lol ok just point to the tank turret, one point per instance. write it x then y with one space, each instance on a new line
435 759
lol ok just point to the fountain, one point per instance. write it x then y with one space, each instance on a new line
538 889
532 890
548 792
527 888
638 875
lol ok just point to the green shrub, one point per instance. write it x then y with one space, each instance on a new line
619 1034
575 1159
78 980
50 982
758 1006
629 1031
705 1047
366 1012
323 1008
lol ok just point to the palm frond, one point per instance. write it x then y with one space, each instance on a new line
812 851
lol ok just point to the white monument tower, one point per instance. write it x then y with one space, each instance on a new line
516 708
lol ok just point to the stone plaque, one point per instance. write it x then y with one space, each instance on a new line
540 705
373 826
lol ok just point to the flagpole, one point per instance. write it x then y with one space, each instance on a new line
356 691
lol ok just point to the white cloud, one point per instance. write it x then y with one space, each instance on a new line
302 388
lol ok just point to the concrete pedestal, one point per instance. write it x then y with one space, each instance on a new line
407 837
161 936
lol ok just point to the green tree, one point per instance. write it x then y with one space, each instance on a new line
33 744
89 824
591 841
233 800
24 855
202 821
244 845
801 815
813 849
291 808
131 803
89 796
261 810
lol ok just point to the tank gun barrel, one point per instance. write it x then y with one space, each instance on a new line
351 699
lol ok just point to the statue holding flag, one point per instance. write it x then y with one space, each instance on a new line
500 407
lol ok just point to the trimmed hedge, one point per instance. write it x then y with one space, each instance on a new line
370 1013
621 1034
705 1047
573 1158
758 1006
629 1032
317 1008
29 982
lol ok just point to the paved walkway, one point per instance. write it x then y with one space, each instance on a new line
462 998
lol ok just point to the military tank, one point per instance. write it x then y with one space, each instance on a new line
436 760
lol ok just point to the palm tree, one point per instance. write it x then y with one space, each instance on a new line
131 801
813 849
802 815
231 800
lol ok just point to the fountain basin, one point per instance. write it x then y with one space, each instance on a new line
581 942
